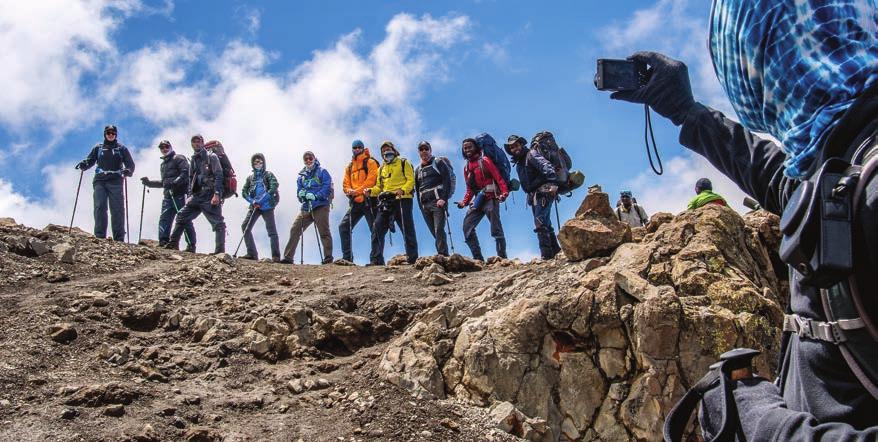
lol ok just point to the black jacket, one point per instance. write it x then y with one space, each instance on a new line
111 159
175 175
821 397
534 170
205 173
431 180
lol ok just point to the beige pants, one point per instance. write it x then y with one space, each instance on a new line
318 216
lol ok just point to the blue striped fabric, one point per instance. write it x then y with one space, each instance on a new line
792 67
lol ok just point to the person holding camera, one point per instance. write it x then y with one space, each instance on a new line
114 164
174 172
394 187
485 190
806 73
540 182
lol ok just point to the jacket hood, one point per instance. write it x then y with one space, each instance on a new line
261 157
169 155
388 143
304 171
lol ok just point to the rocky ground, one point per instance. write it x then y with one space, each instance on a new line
106 341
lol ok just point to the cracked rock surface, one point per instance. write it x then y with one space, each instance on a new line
601 351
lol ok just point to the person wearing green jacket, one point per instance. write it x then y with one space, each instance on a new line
705 195
260 191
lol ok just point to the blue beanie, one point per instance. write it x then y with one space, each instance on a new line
357 144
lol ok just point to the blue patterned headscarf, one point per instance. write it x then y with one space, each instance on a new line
792 67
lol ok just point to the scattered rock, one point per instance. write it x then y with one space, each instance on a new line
398 260
65 252
225 258
57 276
39 248
103 394
143 317
62 333
657 220
595 230
115 410
388 279
69 413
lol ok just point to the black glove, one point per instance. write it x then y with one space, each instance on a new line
668 90
82 165
753 397
127 172
144 180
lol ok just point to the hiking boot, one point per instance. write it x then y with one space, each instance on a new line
286 261
327 260
171 246
276 259
190 249
163 243
501 248
250 257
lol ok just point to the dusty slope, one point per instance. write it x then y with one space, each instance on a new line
165 341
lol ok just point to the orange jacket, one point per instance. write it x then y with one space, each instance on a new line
358 179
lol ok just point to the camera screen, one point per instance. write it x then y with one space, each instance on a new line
617 75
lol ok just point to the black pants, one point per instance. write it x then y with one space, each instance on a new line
109 193
400 211
542 210
247 226
197 205
435 218
170 206
491 209
356 212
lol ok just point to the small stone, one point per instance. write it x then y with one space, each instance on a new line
69 413
295 386
322 383
65 252
225 258
5 403
115 410
38 247
62 333
388 279
450 424
57 276
175 257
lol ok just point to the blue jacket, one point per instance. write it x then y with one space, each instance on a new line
111 159
318 182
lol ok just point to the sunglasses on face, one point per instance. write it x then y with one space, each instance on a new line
309 158
423 148
164 147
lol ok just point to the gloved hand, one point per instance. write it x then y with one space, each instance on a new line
310 196
460 204
144 180
667 91
257 206
127 172
302 193
81 165
502 197
753 397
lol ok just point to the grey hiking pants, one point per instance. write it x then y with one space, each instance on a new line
109 193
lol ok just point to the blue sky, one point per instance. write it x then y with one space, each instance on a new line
282 77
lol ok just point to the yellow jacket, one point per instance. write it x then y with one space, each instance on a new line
358 179
397 174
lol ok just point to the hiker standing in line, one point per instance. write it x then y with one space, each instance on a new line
629 212
175 182
206 196
434 187
485 189
396 182
114 162
359 178
260 190
314 190
704 195
539 181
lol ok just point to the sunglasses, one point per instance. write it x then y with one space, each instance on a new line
423 148
309 158
164 147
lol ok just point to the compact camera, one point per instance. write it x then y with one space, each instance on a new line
620 75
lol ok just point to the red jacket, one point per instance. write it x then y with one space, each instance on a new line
481 173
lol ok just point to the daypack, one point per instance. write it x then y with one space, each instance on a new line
452 177
230 181
497 155
275 195
470 176
316 179
544 143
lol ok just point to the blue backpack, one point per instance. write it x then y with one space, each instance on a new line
497 156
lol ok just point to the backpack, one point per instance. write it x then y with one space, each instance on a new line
365 167
316 179
230 181
275 194
452 177
497 155
544 143
470 176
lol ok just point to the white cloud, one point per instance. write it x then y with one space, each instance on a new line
46 48
321 105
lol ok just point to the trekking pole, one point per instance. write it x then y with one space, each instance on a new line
177 213
142 204
75 201
125 192
557 217
301 244
247 228
448 225
316 233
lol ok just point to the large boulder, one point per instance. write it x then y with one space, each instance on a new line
600 351
595 231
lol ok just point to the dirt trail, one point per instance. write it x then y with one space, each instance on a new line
161 349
